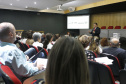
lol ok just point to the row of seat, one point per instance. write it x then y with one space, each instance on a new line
111 27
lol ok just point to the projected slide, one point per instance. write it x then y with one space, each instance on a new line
78 22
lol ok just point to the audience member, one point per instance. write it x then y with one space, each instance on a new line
47 43
84 39
104 43
116 51
94 47
11 56
37 39
67 63
123 43
29 40
55 38
23 37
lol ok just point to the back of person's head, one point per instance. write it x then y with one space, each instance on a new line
29 34
104 42
24 34
94 47
7 32
84 39
37 36
114 42
123 42
67 63
56 37
48 38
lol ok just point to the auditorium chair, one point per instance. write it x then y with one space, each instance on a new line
103 27
115 67
122 76
8 76
124 27
91 55
118 27
110 27
22 47
26 46
30 52
34 47
41 54
100 73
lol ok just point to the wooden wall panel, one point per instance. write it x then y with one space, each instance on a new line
109 19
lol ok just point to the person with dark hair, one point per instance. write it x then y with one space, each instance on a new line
123 43
96 31
116 51
37 39
29 40
55 38
104 43
67 63
23 37
13 57
47 43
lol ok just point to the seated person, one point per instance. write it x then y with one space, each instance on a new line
123 42
104 43
67 63
116 51
48 42
37 39
29 40
84 39
13 57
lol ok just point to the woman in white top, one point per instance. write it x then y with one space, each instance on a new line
48 41
37 39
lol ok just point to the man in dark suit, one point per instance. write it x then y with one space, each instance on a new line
116 51
96 31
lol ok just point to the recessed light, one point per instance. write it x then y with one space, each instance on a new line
35 2
47 8
26 6
11 4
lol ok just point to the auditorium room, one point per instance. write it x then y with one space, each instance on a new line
62 41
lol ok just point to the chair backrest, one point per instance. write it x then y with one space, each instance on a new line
100 73
103 27
34 47
22 47
26 46
39 55
118 27
124 27
110 27
30 52
122 76
91 55
115 67
8 76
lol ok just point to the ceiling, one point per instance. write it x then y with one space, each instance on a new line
42 5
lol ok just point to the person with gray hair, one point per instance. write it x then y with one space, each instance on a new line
11 56
37 39
116 51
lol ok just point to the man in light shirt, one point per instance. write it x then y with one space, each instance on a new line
11 56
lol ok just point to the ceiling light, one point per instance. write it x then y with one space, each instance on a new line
18 0
47 8
26 7
11 4
35 2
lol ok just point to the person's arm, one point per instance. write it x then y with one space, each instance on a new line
21 66
91 31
